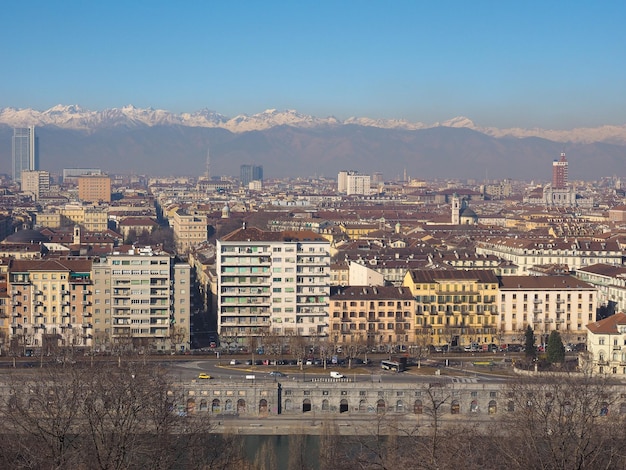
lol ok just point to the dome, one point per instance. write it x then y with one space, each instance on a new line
26 236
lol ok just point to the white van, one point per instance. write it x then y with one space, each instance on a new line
337 375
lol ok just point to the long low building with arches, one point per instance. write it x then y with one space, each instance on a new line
443 396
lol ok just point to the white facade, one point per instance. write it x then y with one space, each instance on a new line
35 182
606 346
573 253
546 303
273 282
358 185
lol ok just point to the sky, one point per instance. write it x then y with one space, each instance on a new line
546 64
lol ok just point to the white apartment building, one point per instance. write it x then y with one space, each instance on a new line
141 300
351 183
575 253
35 182
272 282
546 303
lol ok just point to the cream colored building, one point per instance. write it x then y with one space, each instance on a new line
606 346
189 230
546 303
92 218
51 303
35 182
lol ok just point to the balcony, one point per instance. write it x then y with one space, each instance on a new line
559 320
537 311
537 301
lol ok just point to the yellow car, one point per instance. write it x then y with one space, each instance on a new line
204 376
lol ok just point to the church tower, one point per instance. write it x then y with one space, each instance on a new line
456 209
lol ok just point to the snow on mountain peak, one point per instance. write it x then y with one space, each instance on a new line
75 117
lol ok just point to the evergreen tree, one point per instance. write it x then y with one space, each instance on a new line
531 349
555 350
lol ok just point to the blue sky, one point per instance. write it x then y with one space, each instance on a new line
501 63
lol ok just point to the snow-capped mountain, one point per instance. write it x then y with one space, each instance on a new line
75 117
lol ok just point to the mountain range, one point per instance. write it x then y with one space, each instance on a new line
288 143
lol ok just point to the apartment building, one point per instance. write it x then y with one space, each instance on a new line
272 282
94 188
189 230
51 303
142 301
574 253
546 303
35 182
92 218
610 282
457 307
372 316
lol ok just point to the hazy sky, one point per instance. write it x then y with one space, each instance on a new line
550 64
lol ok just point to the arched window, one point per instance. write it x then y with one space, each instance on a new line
204 406
343 406
306 405
191 405
380 406
455 408
493 408
510 406
362 405
474 406
288 404
228 406
216 406
325 405
263 405
418 408
241 406
400 406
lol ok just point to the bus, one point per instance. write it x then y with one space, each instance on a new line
396 366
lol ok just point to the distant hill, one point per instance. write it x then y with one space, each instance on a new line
296 145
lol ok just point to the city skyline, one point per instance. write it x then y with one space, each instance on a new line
530 65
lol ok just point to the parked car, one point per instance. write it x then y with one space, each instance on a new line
234 362
337 375
204 376
277 373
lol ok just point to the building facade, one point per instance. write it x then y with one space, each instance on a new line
372 316
546 303
94 188
457 308
25 151
189 230
51 303
142 301
35 182
606 346
248 173
272 283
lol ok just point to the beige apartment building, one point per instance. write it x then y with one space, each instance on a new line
189 230
94 188
50 304
372 316
92 218
141 301
35 182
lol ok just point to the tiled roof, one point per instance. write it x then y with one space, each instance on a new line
543 282
608 325
253 234
370 293
429 275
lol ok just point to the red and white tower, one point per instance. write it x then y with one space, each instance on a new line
559 173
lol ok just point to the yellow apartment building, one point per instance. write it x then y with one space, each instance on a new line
457 308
